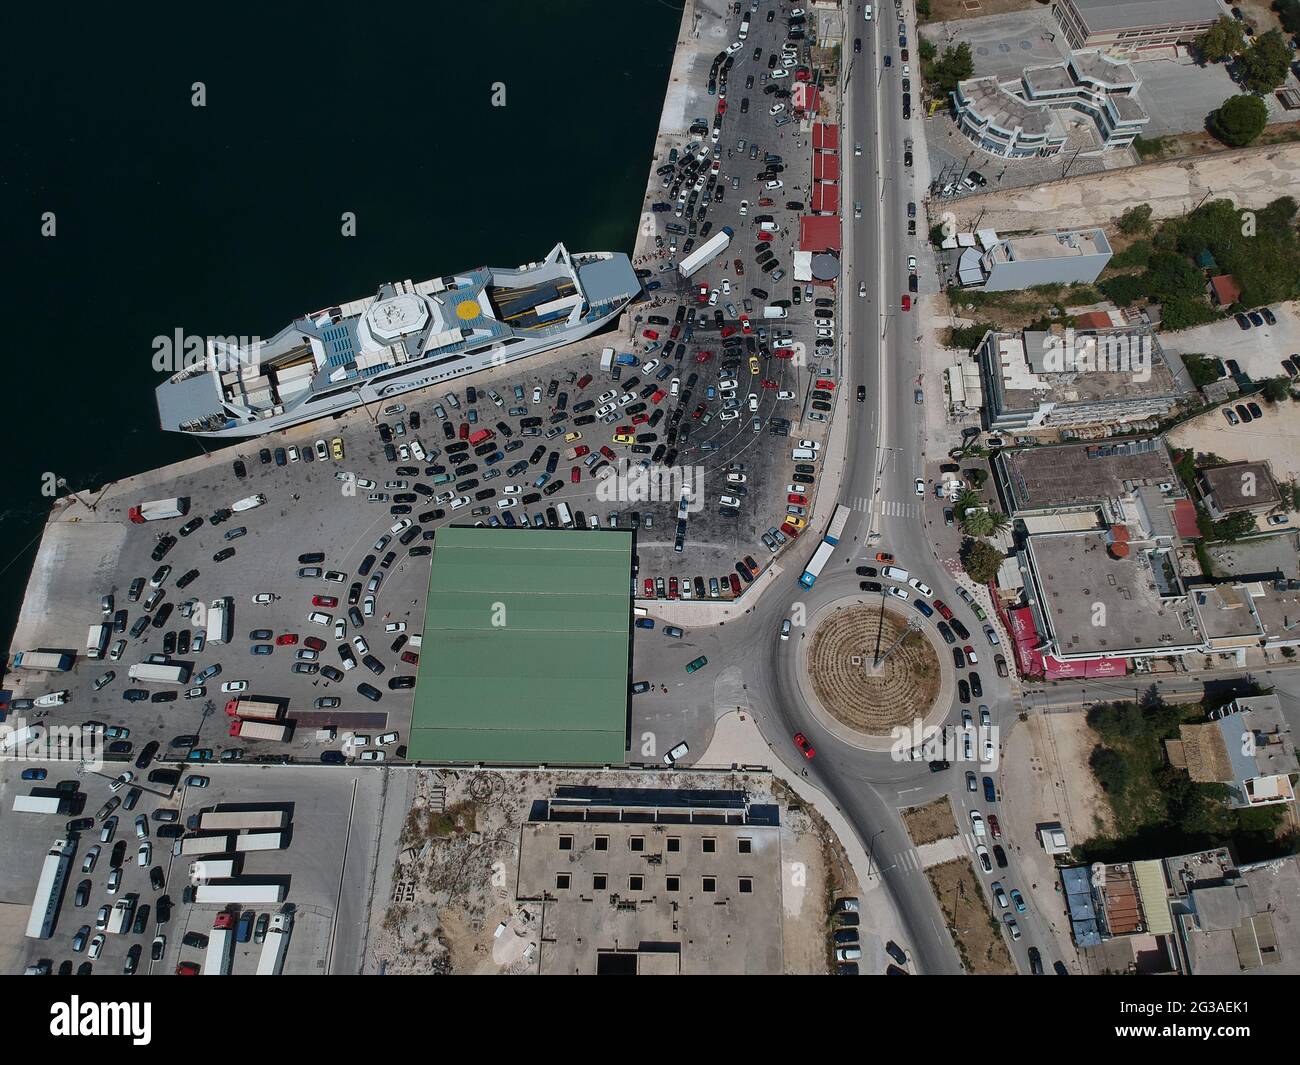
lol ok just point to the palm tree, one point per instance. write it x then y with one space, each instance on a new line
965 500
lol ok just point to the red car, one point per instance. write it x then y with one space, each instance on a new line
464 430
801 741
702 293
766 201
735 583
287 640
584 380
994 827
907 302
728 330
822 382
324 600
765 235
649 588
884 556
740 267
767 382
704 356
623 429
797 500
789 530
609 454
650 334
801 74
575 475
745 327
187 968
698 412
674 332
410 658
640 419
580 450
315 643
783 353
658 395
722 107
943 609
672 587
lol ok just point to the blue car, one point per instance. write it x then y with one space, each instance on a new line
645 623
1018 901
990 792
923 607
33 774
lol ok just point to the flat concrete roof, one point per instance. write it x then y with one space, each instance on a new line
1108 15
1097 604
1045 478
527 639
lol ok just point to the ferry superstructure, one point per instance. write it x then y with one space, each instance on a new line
406 336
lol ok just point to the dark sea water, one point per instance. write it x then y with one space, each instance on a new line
226 219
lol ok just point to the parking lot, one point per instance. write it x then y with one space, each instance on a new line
325 866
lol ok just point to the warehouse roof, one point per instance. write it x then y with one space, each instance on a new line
527 637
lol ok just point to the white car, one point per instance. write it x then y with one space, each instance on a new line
744 208
650 366
977 823
387 739
907 71
340 629
982 852
143 853
316 617
857 149
735 478
605 397
811 445
395 626
512 489
322 452
231 686
729 501
368 606
96 945
506 504
729 415
417 449
899 593
359 642
920 487
988 748
753 401
726 290
862 288
459 501
775 184
372 756
675 386
920 586
605 409
680 751
400 526
537 394
785 393
713 298
728 383
121 781
911 263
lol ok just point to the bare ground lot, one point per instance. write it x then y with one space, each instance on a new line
1252 177
1274 438
975 932
947 10
929 823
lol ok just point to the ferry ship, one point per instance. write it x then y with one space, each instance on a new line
406 336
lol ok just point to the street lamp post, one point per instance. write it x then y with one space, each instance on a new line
871 850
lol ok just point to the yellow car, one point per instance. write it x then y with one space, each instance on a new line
336 446
753 365
796 522
569 438
624 438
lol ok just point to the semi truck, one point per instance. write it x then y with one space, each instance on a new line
212 869
221 945
97 640
210 843
160 673
39 804
237 820
259 730
17 739
52 661
248 503
827 547
253 709
158 509
271 960
259 841
706 252
49 890
219 620
237 892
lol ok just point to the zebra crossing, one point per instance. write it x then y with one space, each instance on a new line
889 508
911 861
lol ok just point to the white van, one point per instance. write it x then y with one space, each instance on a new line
894 573
768 227
803 454
317 618
774 312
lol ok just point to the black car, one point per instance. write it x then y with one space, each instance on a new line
197 940
165 543
869 586
976 687
191 526
146 754
265 456
1035 962
999 856
373 664
311 558
963 691
399 683
79 824
223 554
369 692
335 757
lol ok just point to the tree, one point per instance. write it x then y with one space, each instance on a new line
1170 276
1222 41
956 64
1276 389
1265 63
1239 120
1137 219
1110 769
1288 13
922 10
1124 288
981 560
981 522
1234 526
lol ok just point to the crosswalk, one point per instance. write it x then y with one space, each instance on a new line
889 508
910 860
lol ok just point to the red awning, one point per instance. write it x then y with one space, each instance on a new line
1185 520
826 167
826 137
826 198
819 233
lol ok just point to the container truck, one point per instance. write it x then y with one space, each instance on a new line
219 620
827 547
271 960
212 869
235 820
119 921
221 945
49 890
159 508
237 892
17 739
254 709
160 672
706 252
248 503
259 841
53 661
38 804
97 640
838 521
259 730
211 843
607 358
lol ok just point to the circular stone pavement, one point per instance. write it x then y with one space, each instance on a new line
861 704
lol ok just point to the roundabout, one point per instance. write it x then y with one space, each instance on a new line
866 669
